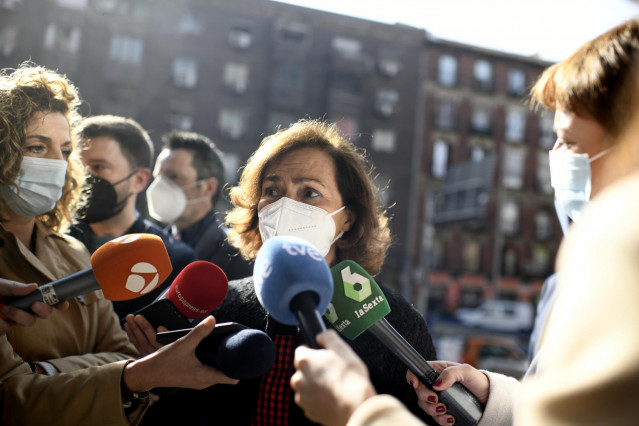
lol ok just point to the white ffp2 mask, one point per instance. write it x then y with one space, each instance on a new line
40 181
293 218
570 177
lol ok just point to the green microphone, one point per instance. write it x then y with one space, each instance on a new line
358 305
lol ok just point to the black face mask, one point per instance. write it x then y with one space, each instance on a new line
101 199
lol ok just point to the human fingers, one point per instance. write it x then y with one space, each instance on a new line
138 337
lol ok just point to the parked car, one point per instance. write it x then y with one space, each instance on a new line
502 315
498 354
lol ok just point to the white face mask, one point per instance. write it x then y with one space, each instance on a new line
167 200
570 177
292 218
40 181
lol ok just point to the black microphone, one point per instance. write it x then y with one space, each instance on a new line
124 268
234 349
358 305
293 283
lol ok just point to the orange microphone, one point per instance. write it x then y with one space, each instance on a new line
124 268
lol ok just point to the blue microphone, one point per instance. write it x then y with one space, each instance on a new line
294 284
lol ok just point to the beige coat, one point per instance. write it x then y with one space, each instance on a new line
588 372
86 335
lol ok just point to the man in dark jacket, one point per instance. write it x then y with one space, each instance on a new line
118 155
189 176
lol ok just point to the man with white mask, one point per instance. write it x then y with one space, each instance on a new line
117 154
189 175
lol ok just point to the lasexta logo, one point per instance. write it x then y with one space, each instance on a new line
356 286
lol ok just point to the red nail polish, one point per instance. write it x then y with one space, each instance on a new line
432 398
437 383
450 420
440 409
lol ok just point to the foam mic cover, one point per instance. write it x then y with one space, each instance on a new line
246 354
293 282
359 304
235 350
197 290
124 268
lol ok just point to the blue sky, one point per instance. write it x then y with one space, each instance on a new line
551 29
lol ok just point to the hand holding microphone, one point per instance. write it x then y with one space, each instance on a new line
358 305
236 350
123 268
293 283
196 291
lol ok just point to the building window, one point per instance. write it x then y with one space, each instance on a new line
185 72
294 33
180 121
73 4
547 135
62 38
477 154
543 173
509 261
280 120
232 122
289 78
384 193
447 71
383 140
509 218
513 166
126 49
440 159
347 47
480 120
8 40
516 82
240 38
515 125
9 4
543 224
483 75
389 67
348 126
189 24
386 102
471 257
236 77
445 118
540 264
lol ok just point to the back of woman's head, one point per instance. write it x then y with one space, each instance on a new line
25 91
590 81
368 239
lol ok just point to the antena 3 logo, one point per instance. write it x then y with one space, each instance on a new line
137 280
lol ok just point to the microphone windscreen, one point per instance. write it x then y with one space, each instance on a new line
246 354
285 267
131 265
198 289
357 302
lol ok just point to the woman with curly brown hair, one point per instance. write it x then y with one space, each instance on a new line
310 182
76 367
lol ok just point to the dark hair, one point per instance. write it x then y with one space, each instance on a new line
207 158
590 81
135 143
28 90
366 242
